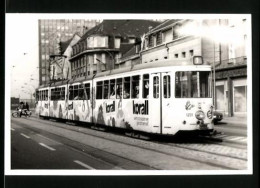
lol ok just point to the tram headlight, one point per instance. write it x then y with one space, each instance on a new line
200 115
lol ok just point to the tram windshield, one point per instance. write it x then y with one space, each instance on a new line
193 84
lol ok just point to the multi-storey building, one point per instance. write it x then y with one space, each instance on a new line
60 68
217 41
102 47
51 32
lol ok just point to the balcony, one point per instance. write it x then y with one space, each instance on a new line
233 62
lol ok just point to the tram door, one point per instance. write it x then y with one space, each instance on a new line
160 102
154 103
166 104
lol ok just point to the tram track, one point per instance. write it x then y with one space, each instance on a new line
147 146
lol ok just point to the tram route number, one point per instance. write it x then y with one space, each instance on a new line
189 114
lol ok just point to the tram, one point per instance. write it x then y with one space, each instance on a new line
162 97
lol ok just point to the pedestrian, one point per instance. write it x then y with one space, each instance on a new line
27 106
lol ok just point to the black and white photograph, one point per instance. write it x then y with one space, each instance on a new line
128 94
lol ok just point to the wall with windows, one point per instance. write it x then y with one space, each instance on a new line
51 30
182 48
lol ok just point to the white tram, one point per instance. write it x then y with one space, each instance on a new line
163 97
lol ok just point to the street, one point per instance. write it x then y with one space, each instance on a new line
46 144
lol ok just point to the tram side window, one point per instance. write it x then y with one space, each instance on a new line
145 86
126 92
156 87
87 91
57 94
106 92
76 92
81 92
70 92
112 89
192 84
46 95
99 90
119 88
62 97
52 94
167 86
37 95
43 95
135 86
40 95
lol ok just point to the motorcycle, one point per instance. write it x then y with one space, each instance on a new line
19 112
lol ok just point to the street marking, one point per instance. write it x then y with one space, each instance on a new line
84 165
236 138
12 129
25 135
49 139
244 140
48 147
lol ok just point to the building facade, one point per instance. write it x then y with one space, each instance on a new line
231 73
102 47
177 39
51 32
60 66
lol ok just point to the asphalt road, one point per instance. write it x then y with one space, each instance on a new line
43 144
30 150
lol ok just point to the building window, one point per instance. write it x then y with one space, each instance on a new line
159 38
167 36
240 96
100 41
103 58
151 44
117 42
191 53
90 42
176 55
91 59
183 54
132 40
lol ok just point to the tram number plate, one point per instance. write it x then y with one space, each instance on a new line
203 126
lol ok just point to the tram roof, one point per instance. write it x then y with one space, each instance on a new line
151 65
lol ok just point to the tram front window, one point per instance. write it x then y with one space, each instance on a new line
192 84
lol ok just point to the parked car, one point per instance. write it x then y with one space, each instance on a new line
217 116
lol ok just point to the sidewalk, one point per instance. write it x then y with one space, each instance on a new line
234 121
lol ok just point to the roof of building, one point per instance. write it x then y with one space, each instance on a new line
131 51
64 44
124 48
123 28
165 24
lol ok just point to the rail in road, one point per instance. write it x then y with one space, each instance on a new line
121 152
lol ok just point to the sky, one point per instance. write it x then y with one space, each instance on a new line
21 54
